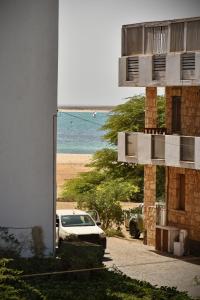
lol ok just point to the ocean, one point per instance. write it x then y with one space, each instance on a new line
79 132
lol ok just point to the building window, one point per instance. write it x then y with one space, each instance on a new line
181 192
176 114
156 40
177 37
193 36
133 38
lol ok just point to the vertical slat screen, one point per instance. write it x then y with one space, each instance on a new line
156 40
134 38
193 36
177 37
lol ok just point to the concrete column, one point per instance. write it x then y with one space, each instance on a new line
149 170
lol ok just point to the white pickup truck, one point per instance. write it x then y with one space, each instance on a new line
73 222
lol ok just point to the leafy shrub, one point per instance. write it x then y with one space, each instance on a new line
105 285
13 288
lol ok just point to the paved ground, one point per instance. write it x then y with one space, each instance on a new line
143 263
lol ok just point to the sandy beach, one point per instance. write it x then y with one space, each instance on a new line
69 166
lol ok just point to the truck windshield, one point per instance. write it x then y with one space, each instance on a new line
76 220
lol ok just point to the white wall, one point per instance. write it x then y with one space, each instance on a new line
28 101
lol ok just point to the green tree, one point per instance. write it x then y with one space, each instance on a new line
130 116
85 183
106 200
105 160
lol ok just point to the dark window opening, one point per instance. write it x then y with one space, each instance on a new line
187 149
181 192
158 146
176 114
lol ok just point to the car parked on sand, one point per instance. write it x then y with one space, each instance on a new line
79 224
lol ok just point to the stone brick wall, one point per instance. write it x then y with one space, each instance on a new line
151 225
190 109
189 218
151 107
150 171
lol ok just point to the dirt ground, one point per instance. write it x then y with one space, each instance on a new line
72 205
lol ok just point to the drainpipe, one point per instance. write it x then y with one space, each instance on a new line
54 180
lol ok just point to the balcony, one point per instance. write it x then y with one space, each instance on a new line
159 149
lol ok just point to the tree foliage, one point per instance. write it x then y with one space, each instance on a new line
85 183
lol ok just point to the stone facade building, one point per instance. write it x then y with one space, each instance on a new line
166 54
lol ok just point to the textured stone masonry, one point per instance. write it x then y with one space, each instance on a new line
190 125
190 109
190 218
149 170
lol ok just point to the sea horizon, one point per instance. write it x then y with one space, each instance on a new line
85 107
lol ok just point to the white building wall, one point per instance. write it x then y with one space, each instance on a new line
28 102
121 144
172 150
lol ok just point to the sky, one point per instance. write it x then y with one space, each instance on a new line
90 45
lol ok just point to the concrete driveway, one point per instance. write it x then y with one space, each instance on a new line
142 262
